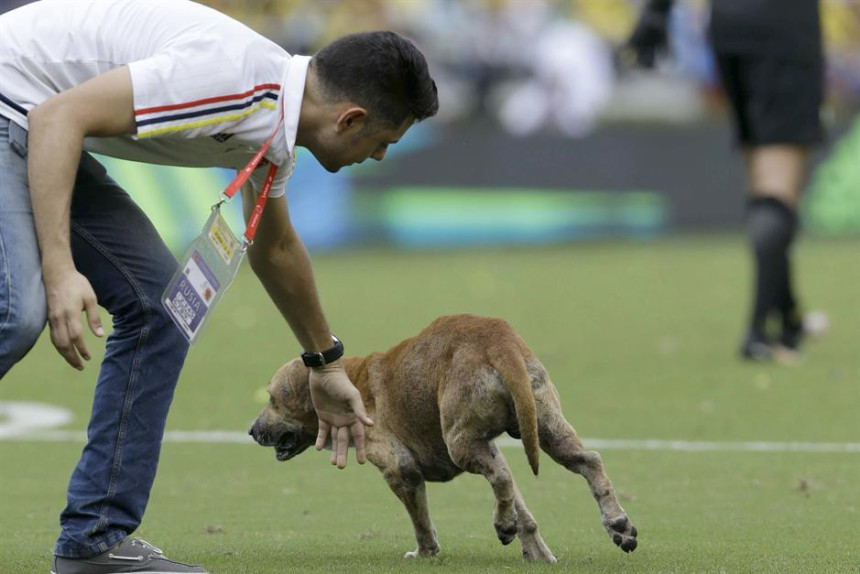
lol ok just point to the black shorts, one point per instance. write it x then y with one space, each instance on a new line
775 101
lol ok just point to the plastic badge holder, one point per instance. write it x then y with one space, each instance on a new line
209 266
212 261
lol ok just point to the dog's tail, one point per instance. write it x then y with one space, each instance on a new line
512 368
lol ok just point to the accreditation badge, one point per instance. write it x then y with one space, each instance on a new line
208 267
212 261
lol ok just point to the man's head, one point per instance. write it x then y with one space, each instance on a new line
369 88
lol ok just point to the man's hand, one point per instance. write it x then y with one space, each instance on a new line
67 295
340 411
650 37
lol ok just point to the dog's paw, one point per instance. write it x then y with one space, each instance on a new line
623 533
423 552
506 523
548 558
506 532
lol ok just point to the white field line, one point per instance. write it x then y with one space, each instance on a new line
30 421
233 437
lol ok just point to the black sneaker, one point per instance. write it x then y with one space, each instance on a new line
793 335
130 555
796 329
756 348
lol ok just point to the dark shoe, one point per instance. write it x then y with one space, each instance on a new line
756 348
795 330
793 335
130 555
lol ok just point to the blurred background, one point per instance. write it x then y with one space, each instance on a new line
544 134
598 209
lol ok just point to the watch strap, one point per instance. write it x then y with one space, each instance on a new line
322 358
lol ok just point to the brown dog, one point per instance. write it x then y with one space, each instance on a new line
438 400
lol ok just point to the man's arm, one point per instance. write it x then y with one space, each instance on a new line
279 259
102 106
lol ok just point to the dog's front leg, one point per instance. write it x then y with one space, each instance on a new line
406 481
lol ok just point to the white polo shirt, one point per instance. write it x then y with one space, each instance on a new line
207 89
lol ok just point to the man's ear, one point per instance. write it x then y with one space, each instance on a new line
352 118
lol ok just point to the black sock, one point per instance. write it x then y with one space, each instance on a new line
771 227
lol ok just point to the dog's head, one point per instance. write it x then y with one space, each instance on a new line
289 422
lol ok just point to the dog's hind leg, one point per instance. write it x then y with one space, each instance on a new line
559 441
480 456
406 481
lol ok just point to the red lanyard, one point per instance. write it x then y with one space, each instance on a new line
242 177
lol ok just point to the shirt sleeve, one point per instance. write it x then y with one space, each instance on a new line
279 186
194 91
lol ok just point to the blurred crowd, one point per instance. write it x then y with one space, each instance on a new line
545 64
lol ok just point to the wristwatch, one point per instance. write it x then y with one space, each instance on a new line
317 359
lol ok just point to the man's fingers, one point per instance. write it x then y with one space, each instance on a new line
357 428
341 414
76 337
71 357
322 435
333 438
60 339
357 406
357 431
93 318
342 446
67 296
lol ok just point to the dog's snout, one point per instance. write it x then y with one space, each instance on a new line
258 435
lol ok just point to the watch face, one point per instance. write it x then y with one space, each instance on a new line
313 359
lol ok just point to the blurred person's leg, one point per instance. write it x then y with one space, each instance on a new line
777 170
776 175
119 251
776 110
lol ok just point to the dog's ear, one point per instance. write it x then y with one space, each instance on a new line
298 383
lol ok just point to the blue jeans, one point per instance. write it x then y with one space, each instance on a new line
116 247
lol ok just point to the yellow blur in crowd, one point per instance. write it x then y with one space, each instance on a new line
611 19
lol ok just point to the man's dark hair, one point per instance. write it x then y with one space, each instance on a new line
380 71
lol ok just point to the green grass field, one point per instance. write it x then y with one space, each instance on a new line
640 340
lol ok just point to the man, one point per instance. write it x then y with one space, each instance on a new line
169 82
769 57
